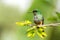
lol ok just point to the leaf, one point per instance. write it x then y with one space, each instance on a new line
40 29
26 22
30 32
40 32
20 23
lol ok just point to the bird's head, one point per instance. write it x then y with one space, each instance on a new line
36 12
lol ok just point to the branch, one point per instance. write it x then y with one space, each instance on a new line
55 24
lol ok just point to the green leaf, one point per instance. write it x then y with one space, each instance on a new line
30 32
41 34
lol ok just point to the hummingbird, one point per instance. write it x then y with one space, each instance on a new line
35 28
38 17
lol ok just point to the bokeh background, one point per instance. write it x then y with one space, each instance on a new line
12 11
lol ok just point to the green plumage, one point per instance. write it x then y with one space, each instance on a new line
38 18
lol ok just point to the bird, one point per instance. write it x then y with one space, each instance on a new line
38 17
39 20
35 27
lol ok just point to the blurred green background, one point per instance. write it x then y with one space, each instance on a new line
10 15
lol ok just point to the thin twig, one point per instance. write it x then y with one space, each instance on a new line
55 24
